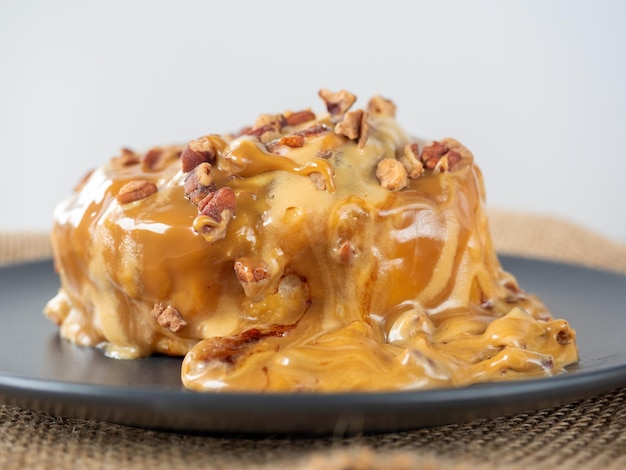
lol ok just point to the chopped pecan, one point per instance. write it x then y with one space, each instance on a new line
318 180
243 131
135 190
349 230
445 155
199 183
127 157
447 162
391 174
216 210
455 145
411 162
196 152
439 156
351 125
313 131
338 103
266 133
277 121
157 158
278 146
379 106
214 204
364 133
168 317
293 140
346 252
355 126
454 157
152 157
253 276
247 272
299 117
434 150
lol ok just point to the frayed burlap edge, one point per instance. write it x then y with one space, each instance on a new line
24 246
545 237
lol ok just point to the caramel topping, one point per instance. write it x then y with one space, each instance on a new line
316 263
247 158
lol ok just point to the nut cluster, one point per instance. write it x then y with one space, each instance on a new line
135 190
216 206
253 276
279 133
269 128
154 160
273 129
351 124
168 317
438 156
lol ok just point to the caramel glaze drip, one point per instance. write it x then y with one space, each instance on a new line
351 287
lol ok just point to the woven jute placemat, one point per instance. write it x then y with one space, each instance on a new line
587 434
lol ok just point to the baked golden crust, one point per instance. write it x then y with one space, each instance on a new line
327 252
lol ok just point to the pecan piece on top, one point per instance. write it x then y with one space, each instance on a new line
199 183
276 120
253 276
267 127
432 153
196 152
355 126
266 133
293 140
391 174
379 106
365 130
152 157
313 131
438 156
455 145
299 117
135 190
338 103
296 139
411 162
216 210
157 158
168 317
318 180
127 157
448 161
351 125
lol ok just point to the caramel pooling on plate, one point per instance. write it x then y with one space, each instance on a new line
310 252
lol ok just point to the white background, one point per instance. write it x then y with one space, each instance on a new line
536 89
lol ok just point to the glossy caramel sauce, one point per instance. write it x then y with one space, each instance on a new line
363 288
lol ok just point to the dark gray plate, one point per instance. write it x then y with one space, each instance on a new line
39 371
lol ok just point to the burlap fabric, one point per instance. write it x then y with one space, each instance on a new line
586 434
